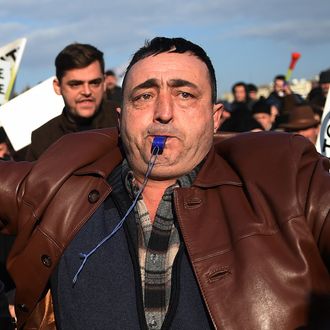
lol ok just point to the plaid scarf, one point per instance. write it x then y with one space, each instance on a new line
158 244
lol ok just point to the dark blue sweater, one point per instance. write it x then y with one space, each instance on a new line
108 292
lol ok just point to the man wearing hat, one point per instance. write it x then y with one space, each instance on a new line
325 81
302 121
318 95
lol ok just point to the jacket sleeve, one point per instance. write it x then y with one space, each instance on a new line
313 184
12 175
30 154
33 151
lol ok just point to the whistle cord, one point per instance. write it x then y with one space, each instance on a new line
84 256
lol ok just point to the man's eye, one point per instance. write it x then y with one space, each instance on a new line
142 97
186 95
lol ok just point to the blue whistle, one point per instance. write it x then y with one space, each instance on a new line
158 144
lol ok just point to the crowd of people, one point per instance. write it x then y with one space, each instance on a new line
282 110
197 223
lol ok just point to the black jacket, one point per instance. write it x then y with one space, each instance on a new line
51 131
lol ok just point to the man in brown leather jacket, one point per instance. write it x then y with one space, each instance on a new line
226 234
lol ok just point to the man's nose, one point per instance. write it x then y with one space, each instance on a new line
86 89
164 109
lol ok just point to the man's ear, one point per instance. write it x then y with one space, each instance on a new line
57 86
104 84
118 113
217 113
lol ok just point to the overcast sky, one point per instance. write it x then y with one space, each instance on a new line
249 41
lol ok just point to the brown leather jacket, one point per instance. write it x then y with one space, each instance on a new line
256 223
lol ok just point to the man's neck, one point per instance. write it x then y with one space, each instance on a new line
153 193
78 120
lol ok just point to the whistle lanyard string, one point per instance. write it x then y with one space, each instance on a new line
85 256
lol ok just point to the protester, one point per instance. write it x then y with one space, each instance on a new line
80 81
112 90
241 97
225 234
262 113
324 82
252 93
5 152
318 95
302 121
283 98
241 120
6 321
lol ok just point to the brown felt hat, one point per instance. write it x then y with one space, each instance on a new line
300 117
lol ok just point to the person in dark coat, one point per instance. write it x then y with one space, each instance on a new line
241 97
262 113
282 96
80 81
317 96
6 321
241 120
112 91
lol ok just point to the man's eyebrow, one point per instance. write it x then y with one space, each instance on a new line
78 81
146 84
75 81
181 83
99 79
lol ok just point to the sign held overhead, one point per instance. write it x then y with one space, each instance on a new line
11 53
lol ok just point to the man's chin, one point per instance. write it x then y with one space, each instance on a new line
169 172
86 112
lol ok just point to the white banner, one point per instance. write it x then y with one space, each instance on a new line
323 139
12 53
4 79
28 111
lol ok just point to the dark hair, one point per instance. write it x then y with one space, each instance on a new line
240 83
252 88
261 106
280 77
324 77
3 135
160 45
77 56
110 73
